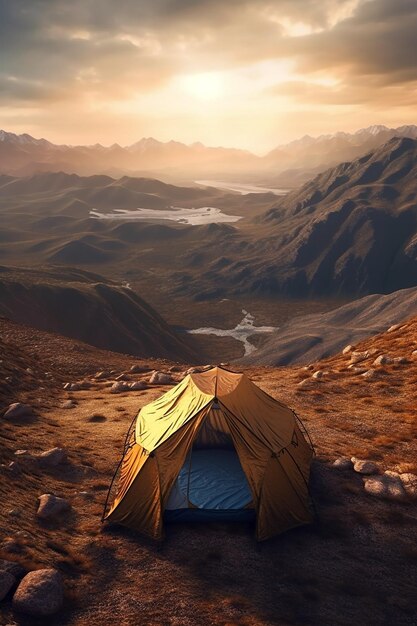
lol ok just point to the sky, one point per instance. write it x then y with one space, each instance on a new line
245 74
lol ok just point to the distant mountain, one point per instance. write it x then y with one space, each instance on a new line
351 230
308 155
84 306
308 338
288 165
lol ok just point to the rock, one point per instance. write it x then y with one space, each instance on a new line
17 410
369 374
119 387
101 375
409 482
306 383
14 469
382 359
318 374
53 457
68 404
17 570
400 360
50 506
357 370
357 357
348 349
363 466
387 486
122 377
139 369
11 545
138 385
343 463
41 592
72 387
175 368
394 327
13 512
160 378
25 457
7 580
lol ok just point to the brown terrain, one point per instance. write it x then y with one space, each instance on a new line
356 564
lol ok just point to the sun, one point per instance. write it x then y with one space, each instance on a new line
205 86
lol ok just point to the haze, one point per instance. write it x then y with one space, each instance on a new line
245 74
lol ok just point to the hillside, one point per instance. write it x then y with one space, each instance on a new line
111 571
307 338
84 306
352 229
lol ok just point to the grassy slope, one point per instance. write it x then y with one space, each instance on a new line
356 564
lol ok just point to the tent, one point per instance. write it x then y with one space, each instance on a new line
218 447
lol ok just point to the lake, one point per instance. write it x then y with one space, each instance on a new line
194 217
241 188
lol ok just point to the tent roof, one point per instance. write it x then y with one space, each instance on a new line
257 412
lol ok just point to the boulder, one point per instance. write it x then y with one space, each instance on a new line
40 593
343 463
138 385
18 410
409 482
386 486
119 387
364 467
347 349
53 457
51 506
7 580
160 378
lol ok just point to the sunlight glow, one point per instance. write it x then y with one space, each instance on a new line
205 86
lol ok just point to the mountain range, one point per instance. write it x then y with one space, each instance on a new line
287 165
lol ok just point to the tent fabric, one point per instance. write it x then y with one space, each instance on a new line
211 479
216 409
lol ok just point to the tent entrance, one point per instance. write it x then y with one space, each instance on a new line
212 479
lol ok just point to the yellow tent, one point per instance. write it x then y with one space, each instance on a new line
216 409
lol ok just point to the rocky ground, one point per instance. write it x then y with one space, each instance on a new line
357 564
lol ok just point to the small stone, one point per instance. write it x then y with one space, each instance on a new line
387 486
119 387
343 463
7 580
357 357
400 360
68 404
394 327
41 593
414 353
409 482
122 377
14 468
50 506
101 375
160 378
53 457
139 369
382 359
318 374
138 385
364 467
18 410
369 374
357 370
175 368
306 383
348 349
11 545
13 512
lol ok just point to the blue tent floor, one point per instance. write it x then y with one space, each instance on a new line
207 515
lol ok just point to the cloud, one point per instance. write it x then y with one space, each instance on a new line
85 51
